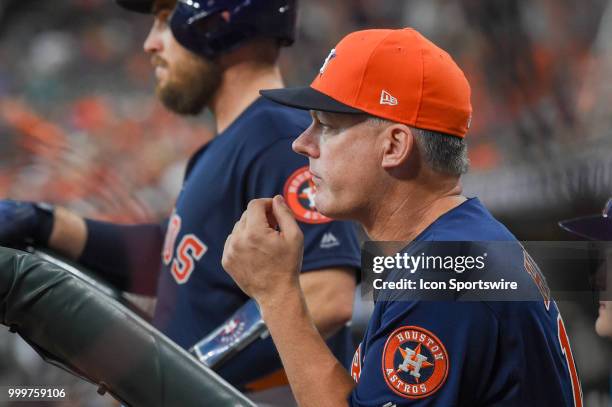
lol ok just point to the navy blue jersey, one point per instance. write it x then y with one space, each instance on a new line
251 159
472 353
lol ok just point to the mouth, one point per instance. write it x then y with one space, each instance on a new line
161 72
159 64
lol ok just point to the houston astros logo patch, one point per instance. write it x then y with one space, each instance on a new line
414 362
299 193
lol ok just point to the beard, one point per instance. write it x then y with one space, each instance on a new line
191 84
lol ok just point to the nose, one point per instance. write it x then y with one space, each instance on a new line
153 43
307 143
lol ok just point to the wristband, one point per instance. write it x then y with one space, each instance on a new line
45 220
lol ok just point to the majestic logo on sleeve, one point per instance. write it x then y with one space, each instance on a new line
328 241
299 193
414 362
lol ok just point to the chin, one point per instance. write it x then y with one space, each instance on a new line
323 203
336 215
331 209
603 328
603 325
325 210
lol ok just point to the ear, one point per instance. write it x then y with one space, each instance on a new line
398 144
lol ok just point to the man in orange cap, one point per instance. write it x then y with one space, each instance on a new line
386 148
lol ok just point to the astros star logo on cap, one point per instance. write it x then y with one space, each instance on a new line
331 55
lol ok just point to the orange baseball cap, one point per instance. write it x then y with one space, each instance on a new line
397 75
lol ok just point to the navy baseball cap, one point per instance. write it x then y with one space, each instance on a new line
139 6
593 227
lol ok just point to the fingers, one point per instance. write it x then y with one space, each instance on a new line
241 224
284 217
265 214
238 226
257 210
226 253
270 216
253 218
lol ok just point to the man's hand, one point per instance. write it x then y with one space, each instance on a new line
263 254
24 223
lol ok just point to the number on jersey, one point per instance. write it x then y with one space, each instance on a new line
188 251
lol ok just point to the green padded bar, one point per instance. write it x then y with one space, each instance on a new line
77 327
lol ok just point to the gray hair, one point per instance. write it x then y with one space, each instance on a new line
441 152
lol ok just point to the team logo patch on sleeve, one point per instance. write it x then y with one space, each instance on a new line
299 193
414 362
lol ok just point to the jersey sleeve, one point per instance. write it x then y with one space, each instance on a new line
279 170
429 354
127 256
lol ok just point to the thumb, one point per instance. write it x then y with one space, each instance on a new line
284 217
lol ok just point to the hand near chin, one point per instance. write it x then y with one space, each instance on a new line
263 254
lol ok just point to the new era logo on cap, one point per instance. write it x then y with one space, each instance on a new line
387 99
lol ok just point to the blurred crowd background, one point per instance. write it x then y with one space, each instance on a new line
80 126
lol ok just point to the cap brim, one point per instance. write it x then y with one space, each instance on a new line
139 6
307 98
594 227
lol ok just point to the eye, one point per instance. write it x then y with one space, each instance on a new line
324 125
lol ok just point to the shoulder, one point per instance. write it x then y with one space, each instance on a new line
438 314
470 221
270 132
267 122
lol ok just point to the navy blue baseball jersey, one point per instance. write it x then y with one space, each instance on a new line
251 159
468 353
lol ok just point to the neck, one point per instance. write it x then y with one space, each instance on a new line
239 88
409 210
